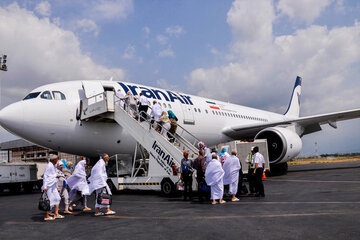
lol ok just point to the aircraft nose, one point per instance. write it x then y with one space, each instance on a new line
11 117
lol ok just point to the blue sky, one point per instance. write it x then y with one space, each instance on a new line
246 51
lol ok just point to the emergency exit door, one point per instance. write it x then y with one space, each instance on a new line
188 112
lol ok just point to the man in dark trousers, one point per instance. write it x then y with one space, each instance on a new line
143 106
250 177
186 175
258 172
199 166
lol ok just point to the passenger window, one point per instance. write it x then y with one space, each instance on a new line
164 105
58 95
206 111
31 95
199 110
195 109
169 105
46 95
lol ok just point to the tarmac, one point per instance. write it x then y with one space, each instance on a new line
317 201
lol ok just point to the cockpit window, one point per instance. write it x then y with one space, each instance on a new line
31 95
58 95
46 95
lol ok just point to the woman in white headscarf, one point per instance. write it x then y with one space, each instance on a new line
165 124
62 185
98 183
214 178
78 183
130 102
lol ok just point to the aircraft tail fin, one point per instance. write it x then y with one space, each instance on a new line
294 105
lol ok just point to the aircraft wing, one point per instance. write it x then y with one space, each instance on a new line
308 124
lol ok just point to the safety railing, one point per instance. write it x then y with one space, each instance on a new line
177 139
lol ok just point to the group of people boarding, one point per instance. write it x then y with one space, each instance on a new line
216 170
68 189
164 122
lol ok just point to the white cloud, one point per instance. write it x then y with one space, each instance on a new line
162 83
303 11
167 52
109 10
43 9
56 21
40 52
175 30
162 39
146 30
129 52
265 65
87 26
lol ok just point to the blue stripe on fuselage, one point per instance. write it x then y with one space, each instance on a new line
167 96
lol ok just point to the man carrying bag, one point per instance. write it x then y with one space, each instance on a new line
98 180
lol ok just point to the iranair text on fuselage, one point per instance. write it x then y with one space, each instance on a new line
162 95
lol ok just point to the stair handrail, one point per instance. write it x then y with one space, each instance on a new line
148 120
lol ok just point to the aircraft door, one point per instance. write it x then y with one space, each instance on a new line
92 88
188 112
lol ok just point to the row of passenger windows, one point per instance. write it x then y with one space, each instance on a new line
56 95
233 115
220 113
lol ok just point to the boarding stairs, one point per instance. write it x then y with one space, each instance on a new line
160 150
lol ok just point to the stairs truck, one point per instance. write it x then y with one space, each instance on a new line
155 161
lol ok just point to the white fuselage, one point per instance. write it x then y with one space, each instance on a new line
53 123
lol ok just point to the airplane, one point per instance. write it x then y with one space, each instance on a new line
49 116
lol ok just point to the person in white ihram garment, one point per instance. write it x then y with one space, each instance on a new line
214 178
50 180
77 182
231 177
119 97
156 110
98 180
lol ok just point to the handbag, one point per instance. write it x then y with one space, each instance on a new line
44 202
204 187
104 198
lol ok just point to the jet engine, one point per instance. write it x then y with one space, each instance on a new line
283 144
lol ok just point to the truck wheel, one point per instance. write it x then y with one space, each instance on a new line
167 187
28 188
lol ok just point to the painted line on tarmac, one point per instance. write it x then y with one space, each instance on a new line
311 181
24 223
242 202
232 217
315 214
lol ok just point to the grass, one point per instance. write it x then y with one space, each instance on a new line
315 160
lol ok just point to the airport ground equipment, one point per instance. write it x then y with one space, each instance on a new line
154 170
17 176
243 149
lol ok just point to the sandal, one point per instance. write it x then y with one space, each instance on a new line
49 219
59 216
213 203
222 202
99 214
110 212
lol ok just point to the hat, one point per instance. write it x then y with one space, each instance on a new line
252 148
